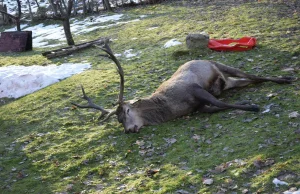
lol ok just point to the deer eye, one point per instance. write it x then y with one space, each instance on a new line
127 111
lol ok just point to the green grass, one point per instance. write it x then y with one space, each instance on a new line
47 146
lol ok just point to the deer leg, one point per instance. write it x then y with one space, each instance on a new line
233 72
205 98
210 109
232 82
213 109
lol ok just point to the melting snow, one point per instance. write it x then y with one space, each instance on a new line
172 42
129 54
42 34
17 81
12 6
279 182
152 28
292 191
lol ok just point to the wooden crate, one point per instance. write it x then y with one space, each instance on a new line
16 41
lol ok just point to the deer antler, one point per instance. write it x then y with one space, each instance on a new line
107 49
91 104
104 112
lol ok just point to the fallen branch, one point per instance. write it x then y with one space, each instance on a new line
72 49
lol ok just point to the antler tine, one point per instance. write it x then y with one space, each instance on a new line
91 104
107 49
107 116
105 113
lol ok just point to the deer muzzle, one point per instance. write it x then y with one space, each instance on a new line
135 129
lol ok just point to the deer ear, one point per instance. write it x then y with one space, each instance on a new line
119 110
120 114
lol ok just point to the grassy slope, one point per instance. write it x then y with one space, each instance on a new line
47 146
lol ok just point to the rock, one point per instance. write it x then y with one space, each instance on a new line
197 41
294 114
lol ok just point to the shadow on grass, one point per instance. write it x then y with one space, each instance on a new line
78 156
63 150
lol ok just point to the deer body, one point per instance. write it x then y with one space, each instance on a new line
176 95
193 87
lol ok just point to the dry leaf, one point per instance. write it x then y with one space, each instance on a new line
208 181
219 169
151 172
170 140
196 137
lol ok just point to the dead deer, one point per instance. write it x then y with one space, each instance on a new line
191 88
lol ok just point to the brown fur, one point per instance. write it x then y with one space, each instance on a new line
192 87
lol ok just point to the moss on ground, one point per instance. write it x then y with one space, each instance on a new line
48 146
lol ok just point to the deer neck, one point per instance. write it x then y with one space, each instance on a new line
153 110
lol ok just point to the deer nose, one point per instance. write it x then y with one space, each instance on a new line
134 129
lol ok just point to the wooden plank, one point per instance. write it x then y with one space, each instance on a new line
71 49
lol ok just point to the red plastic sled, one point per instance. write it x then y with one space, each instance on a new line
242 44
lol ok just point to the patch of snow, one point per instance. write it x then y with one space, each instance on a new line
47 45
208 181
79 27
105 18
130 54
17 81
172 42
277 182
118 23
292 191
143 16
152 28
12 6
266 111
43 34
267 108
294 114
288 69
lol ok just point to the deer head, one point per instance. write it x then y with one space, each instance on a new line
125 111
